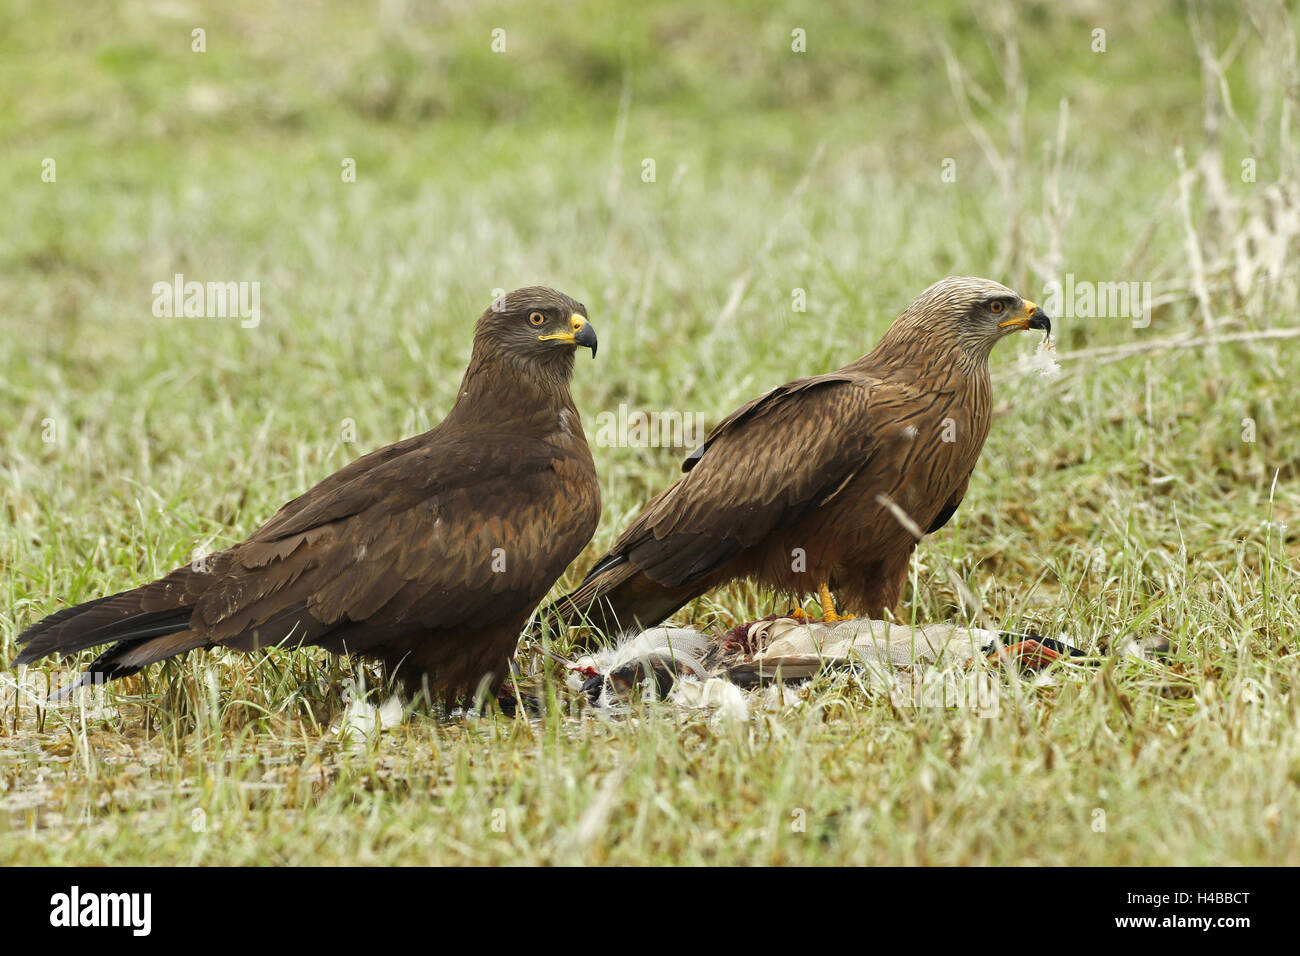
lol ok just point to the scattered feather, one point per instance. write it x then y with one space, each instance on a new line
363 718
725 699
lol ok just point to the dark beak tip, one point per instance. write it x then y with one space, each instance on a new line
1040 320
586 337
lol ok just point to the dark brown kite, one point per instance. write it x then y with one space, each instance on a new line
428 555
794 488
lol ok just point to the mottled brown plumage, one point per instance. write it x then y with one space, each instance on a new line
429 554
785 489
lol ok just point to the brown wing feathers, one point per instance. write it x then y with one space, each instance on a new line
759 472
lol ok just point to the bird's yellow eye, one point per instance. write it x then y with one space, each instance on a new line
997 307
536 318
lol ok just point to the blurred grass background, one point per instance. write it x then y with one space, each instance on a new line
1119 499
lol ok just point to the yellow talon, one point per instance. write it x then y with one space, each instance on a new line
829 614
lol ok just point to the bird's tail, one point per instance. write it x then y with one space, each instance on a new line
615 598
144 625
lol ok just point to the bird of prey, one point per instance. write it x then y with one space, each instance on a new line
428 555
798 488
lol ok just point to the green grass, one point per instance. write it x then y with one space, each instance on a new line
1119 499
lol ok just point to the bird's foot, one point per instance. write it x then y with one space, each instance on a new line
829 614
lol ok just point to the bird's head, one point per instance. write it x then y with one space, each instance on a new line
974 314
535 327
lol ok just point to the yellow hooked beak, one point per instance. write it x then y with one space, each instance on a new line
1030 318
582 334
